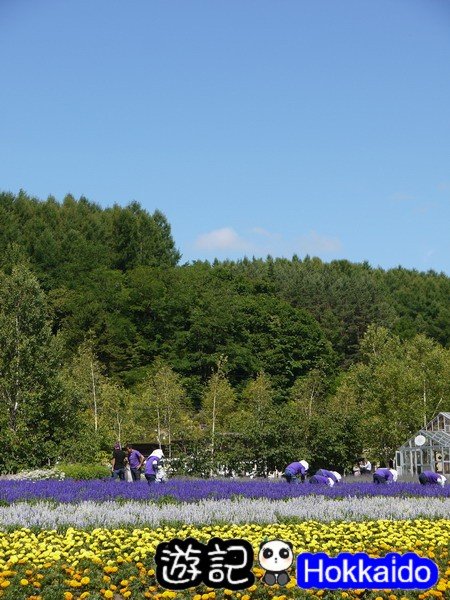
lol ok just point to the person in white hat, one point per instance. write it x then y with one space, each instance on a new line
152 464
385 476
334 475
296 470
430 478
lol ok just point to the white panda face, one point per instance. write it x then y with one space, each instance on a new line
275 556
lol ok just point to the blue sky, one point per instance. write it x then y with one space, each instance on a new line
256 126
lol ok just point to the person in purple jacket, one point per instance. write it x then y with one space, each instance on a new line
135 460
322 480
385 476
296 470
334 475
430 478
151 465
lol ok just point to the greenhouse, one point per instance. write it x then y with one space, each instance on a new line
427 450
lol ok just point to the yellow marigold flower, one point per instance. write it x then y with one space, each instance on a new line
68 595
124 582
4 584
108 594
85 581
84 595
24 582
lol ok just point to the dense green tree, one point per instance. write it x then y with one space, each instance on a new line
350 353
394 389
31 413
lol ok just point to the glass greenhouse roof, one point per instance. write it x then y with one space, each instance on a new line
440 438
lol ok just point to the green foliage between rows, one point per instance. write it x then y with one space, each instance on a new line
84 471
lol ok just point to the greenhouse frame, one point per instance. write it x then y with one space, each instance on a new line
427 450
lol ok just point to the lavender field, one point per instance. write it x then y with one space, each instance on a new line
72 491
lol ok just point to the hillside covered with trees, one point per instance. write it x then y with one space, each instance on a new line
105 334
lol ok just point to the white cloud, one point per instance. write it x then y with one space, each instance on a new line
227 240
222 239
314 243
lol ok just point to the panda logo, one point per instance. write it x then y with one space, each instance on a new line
275 558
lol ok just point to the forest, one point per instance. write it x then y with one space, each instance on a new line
106 335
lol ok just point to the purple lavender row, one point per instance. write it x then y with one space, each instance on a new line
192 490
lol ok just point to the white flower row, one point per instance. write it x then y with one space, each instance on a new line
139 514
36 474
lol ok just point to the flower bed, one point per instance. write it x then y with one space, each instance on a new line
119 563
97 539
132 513
192 490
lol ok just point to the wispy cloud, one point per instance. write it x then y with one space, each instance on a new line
265 233
225 238
402 197
423 209
261 242
315 243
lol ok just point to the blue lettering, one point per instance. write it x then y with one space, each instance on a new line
352 571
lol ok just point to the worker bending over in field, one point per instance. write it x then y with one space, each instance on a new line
322 479
296 470
385 476
430 478
334 475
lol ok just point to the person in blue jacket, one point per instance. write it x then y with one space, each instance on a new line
430 478
334 475
385 476
296 470
322 480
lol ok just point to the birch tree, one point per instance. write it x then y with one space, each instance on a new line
27 366
166 408
218 406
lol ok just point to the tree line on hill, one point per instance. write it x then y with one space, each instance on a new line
106 335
